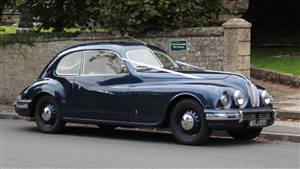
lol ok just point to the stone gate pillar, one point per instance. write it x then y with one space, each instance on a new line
237 46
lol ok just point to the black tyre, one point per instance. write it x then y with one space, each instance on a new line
47 115
105 127
188 123
244 134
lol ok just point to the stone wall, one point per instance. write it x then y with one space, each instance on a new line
20 64
276 77
237 46
240 5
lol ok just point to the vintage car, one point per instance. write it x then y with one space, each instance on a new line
134 84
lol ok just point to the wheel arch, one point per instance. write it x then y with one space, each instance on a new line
175 99
36 98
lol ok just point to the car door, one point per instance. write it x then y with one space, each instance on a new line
66 70
101 91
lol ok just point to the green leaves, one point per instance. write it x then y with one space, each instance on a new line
129 16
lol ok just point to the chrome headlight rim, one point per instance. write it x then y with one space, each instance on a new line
238 98
266 97
224 100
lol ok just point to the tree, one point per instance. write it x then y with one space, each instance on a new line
133 16
2 5
6 4
138 16
26 19
59 14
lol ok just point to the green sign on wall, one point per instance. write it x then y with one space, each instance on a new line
178 45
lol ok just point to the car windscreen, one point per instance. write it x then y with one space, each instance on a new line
140 58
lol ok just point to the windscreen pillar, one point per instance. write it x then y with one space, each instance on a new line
237 46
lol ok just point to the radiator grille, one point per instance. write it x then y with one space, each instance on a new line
253 94
256 116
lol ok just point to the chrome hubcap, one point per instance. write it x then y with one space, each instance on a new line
189 120
47 112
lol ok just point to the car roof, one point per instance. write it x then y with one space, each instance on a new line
116 43
106 44
116 46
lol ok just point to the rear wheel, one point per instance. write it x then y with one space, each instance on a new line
188 123
47 115
244 134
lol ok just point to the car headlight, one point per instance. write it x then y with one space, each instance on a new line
238 98
224 100
266 97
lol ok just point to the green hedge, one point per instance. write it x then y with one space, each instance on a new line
30 38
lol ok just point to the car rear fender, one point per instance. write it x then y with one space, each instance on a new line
44 87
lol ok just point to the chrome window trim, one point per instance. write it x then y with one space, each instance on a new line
93 75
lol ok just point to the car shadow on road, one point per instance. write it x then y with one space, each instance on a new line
142 136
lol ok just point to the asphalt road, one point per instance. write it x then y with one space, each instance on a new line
22 146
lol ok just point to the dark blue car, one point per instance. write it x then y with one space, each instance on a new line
139 85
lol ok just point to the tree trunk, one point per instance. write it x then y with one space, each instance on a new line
2 6
26 22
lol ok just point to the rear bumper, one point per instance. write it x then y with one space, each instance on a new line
22 107
232 118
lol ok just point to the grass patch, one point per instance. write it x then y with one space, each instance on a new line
29 38
4 30
9 36
7 30
286 60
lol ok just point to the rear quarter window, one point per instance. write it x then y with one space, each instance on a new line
69 64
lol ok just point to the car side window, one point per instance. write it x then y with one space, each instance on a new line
102 62
69 64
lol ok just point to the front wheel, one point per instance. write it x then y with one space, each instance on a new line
244 134
47 115
188 123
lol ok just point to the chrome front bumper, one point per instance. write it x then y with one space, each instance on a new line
22 107
22 104
239 115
